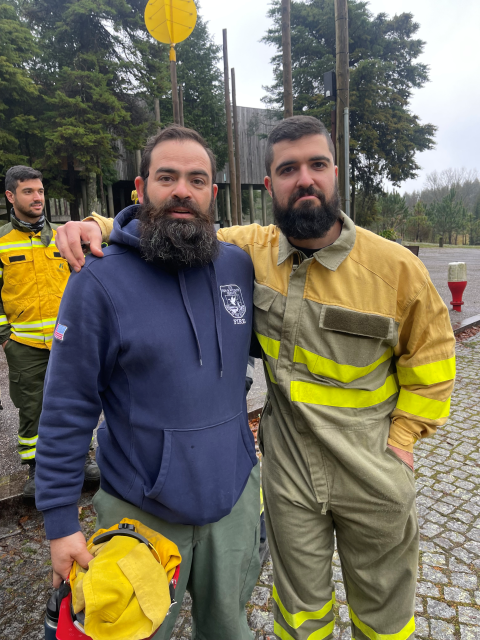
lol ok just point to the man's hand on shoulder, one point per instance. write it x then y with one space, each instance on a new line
64 551
405 456
69 240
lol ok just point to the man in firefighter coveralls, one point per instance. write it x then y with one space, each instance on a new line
359 359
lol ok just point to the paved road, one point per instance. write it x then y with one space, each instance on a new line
448 593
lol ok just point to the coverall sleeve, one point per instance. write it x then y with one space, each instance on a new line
5 326
78 374
105 224
425 359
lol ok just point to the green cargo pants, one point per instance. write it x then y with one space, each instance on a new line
220 562
26 371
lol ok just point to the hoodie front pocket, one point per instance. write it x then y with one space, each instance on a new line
203 472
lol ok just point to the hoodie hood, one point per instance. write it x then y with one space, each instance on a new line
125 227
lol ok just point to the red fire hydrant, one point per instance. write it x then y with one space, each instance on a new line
457 281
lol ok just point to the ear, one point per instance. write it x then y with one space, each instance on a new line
215 191
267 181
10 197
140 187
336 171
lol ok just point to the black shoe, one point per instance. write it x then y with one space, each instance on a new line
29 488
92 472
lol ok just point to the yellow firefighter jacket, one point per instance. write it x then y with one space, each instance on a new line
354 336
33 276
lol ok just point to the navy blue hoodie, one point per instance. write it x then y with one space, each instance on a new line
164 355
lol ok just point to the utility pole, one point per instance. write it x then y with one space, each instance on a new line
180 105
342 120
237 149
287 60
173 78
228 110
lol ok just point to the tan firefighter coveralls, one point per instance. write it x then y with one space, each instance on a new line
359 352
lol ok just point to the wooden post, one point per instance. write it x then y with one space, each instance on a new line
173 78
156 103
227 205
287 60
228 110
264 206
237 150
138 161
83 185
111 209
252 203
180 105
342 73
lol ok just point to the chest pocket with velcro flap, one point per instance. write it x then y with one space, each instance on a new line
356 337
263 296
18 268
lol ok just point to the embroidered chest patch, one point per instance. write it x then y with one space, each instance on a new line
233 300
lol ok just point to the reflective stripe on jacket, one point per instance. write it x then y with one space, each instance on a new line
355 334
33 276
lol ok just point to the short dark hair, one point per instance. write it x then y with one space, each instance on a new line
20 173
295 128
174 132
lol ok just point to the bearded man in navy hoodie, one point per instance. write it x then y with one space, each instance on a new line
157 336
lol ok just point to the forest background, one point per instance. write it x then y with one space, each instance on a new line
78 80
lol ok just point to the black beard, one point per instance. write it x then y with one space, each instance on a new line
173 243
308 220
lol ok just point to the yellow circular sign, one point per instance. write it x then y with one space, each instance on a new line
170 21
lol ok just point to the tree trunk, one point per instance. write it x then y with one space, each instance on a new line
74 211
353 212
92 193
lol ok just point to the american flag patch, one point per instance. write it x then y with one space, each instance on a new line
60 331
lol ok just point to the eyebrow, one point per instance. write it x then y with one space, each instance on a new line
287 163
195 172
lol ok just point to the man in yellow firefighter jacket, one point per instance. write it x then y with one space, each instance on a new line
359 359
33 276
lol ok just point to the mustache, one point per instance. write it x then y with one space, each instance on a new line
301 192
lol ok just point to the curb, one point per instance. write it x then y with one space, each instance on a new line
458 327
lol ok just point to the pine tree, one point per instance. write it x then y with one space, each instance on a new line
19 129
384 134
97 62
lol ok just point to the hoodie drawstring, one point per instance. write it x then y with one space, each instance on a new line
218 317
188 308
216 305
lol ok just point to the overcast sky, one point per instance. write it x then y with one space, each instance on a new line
451 100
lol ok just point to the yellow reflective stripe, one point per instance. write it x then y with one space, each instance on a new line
28 440
319 634
427 373
336 397
13 246
33 336
27 455
406 632
261 501
331 369
269 345
1 273
296 620
270 372
423 407
3 320
50 322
